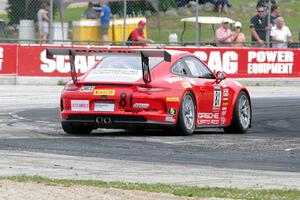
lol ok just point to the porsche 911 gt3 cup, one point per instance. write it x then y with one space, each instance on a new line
146 88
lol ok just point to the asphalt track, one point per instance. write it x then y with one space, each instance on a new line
272 144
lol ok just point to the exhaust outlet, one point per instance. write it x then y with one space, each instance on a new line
99 120
107 120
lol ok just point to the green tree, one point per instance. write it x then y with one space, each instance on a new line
22 9
140 6
15 10
166 4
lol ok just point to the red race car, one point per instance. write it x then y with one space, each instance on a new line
145 88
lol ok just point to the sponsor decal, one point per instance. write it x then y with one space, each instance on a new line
208 118
104 92
180 79
217 87
217 98
225 92
80 105
225 103
270 62
114 75
115 72
224 112
186 85
224 108
169 119
172 99
225 99
172 111
208 115
174 79
223 120
104 107
87 88
141 105
208 122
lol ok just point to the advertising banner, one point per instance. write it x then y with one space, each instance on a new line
32 61
235 62
250 62
8 59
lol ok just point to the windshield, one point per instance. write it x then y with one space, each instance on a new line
132 62
120 68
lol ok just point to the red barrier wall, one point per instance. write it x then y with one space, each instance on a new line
32 61
8 59
250 62
237 63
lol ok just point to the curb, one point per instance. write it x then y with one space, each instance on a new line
22 80
269 81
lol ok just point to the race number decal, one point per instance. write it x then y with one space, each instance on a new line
217 98
123 101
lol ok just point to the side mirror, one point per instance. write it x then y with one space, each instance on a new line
220 76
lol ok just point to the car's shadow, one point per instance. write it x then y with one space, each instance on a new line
147 133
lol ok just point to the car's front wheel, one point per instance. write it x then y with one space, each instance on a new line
186 123
76 129
241 119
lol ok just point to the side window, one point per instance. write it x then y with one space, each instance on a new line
197 68
179 68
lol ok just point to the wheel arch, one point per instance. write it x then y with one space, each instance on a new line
235 99
195 99
190 90
179 122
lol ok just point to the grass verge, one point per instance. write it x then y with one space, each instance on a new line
188 191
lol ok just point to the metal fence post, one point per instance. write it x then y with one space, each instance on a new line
197 23
268 28
51 23
124 23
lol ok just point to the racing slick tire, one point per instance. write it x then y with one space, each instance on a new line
76 130
186 123
241 119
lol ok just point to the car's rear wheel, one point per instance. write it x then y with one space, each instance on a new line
241 119
186 123
76 129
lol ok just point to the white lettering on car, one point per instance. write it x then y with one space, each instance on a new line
80 105
208 122
141 105
208 115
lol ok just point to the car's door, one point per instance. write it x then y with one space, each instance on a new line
208 92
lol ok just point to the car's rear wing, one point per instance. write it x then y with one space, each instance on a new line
144 53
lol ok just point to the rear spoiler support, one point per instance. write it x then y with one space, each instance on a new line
145 54
145 68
